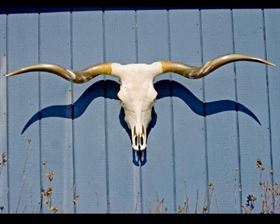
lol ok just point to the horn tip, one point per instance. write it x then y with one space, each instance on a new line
270 63
12 74
8 75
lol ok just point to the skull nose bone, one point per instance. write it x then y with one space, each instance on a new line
140 142
139 139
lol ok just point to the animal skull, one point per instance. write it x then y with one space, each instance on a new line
137 94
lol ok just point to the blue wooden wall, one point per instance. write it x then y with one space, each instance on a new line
210 130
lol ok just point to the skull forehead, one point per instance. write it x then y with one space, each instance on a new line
137 72
135 101
136 83
141 89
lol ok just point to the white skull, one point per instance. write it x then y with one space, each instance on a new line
137 97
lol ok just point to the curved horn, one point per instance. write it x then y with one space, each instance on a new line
193 72
76 76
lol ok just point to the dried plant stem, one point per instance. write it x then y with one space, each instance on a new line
159 206
48 193
196 202
272 191
23 179
186 202
236 190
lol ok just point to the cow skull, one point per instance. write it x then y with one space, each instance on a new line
137 94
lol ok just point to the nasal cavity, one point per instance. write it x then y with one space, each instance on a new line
139 141
143 133
142 140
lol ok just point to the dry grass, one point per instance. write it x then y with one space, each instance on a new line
268 201
3 161
48 191
269 193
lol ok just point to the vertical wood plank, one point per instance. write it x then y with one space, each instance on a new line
158 175
252 92
3 116
23 101
89 127
123 178
221 127
188 126
56 132
105 177
272 28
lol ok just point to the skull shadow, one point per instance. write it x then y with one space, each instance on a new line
165 88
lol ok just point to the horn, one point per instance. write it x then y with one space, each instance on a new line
76 76
193 72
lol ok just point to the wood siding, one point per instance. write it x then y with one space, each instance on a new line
209 130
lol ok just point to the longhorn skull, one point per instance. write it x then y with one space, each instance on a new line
137 94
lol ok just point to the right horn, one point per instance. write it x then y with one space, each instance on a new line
193 72
76 76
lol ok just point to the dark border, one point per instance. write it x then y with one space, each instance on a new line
139 218
151 4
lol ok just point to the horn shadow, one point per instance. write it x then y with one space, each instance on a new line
73 111
196 105
139 158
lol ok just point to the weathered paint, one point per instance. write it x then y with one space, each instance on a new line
190 142
23 152
251 91
90 170
221 130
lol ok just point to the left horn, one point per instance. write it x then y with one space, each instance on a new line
193 72
76 76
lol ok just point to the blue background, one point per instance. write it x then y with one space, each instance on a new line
205 130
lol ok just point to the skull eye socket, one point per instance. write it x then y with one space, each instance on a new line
153 102
120 99
122 103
